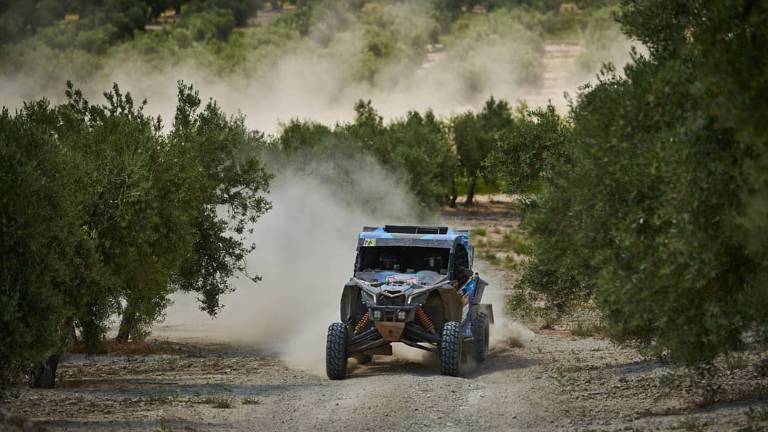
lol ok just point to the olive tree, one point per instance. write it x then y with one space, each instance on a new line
104 214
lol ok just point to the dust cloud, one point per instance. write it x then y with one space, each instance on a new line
305 251
308 79
505 332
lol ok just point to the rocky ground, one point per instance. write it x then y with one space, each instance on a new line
534 380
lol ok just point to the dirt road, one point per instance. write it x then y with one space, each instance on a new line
554 382
191 387
542 380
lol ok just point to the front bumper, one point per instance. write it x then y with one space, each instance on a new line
402 313
390 320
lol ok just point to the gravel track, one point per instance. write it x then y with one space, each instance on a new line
554 381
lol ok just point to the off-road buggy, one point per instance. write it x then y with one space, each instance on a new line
413 285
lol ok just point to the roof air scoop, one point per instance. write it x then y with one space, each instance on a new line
409 229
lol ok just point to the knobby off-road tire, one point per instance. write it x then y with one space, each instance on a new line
481 334
336 351
450 349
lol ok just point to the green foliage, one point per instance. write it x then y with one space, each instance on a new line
37 221
475 136
655 208
526 149
100 25
414 148
103 213
229 182
516 241
216 24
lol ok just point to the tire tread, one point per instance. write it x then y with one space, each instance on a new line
336 351
450 349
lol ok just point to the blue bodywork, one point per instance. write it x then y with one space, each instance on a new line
379 236
414 236
468 292
411 285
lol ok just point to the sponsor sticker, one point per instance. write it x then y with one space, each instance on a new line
369 242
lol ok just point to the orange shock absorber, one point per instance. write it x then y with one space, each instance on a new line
424 319
361 324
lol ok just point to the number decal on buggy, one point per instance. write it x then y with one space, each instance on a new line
369 242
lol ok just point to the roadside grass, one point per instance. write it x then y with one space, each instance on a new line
719 381
492 258
502 245
582 329
522 306
250 401
510 264
219 402
756 420
515 241
757 415
479 232
222 403
736 361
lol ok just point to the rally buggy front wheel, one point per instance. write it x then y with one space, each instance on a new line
450 349
336 351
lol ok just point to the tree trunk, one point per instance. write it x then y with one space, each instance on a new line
126 326
43 375
71 335
454 194
470 201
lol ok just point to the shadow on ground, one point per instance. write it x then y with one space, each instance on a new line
428 366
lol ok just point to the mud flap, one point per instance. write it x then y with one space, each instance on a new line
480 285
485 308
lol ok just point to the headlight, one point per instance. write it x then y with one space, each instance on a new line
401 316
376 315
